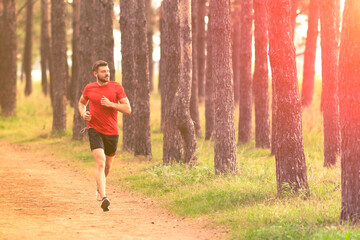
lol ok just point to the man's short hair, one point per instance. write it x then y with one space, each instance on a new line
99 63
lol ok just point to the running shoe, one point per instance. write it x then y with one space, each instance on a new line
105 204
98 197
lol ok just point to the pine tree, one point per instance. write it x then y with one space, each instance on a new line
58 43
8 48
349 99
261 79
330 103
289 150
224 138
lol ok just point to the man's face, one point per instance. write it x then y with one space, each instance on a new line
103 74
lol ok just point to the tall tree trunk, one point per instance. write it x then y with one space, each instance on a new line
201 48
245 106
236 37
307 90
67 79
329 57
8 48
224 139
349 98
183 92
108 40
103 36
2 47
86 59
209 87
194 101
261 79
45 45
172 145
177 19
27 58
75 52
162 64
289 153
150 26
59 58
49 58
127 26
273 121
142 100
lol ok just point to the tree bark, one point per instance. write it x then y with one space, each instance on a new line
177 122
261 79
183 94
236 37
307 90
127 26
75 52
289 152
8 48
349 97
209 87
194 101
201 43
108 26
86 59
59 58
273 121
103 35
245 106
224 139
150 26
141 110
329 57
172 145
45 45
27 58
162 64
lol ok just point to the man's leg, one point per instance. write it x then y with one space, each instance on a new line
100 178
108 164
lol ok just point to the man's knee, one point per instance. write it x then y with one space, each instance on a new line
100 164
99 157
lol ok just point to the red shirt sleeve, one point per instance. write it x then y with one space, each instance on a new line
86 92
120 92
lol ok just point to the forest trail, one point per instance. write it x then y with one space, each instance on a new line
43 198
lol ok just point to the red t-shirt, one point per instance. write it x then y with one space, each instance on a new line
103 119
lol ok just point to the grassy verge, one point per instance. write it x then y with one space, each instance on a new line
247 203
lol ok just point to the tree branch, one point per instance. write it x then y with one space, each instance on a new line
25 5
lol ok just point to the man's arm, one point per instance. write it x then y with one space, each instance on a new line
82 109
122 106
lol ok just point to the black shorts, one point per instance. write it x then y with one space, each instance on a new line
106 142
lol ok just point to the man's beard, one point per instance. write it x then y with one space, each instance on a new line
103 80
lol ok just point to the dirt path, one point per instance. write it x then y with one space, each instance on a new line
42 198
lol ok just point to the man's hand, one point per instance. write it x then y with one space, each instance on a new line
106 102
86 116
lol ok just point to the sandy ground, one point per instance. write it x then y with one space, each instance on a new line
43 198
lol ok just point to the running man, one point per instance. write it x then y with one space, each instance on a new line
105 98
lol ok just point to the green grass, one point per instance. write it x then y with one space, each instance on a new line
247 203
